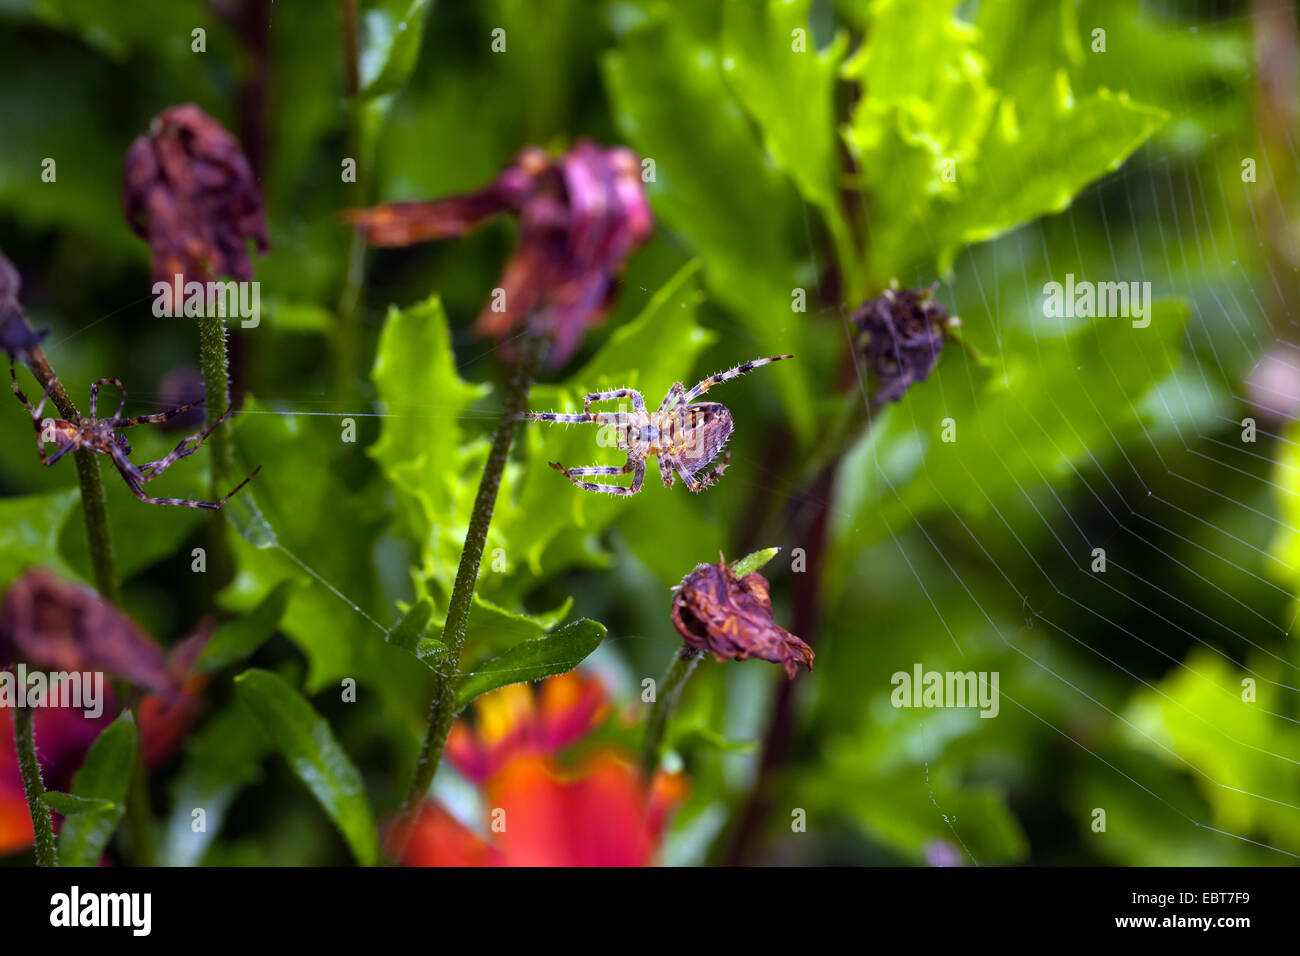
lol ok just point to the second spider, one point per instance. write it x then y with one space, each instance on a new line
102 435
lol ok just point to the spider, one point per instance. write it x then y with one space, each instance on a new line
100 434
685 438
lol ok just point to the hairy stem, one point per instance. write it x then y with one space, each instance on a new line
47 852
442 710
216 393
670 693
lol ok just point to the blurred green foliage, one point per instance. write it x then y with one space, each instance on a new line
986 146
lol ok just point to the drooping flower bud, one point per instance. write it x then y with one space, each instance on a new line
716 611
901 335
17 338
188 189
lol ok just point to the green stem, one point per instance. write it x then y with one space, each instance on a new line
442 709
670 693
94 507
139 811
47 852
216 392
354 275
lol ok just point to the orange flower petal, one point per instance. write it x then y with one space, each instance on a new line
596 817
438 839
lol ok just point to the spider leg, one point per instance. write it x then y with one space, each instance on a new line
94 395
586 418
635 466
159 417
687 477
667 464
675 394
728 375
36 412
131 482
70 445
638 403
711 473
151 470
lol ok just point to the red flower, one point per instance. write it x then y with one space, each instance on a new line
538 814
580 217
515 721
51 625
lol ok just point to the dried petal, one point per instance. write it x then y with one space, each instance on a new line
188 189
901 335
62 627
580 217
716 611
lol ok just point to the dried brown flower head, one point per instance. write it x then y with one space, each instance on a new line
580 217
49 624
901 335
188 189
716 611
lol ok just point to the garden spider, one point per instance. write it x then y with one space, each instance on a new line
685 438
100 434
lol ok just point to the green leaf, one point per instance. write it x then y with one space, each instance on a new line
791 95
391 30
419 446
69 804
219 761
308 744
238 639
557 653
158 26
1197 718
406 633
104 776
948 159
492 628
714 186
29 532
752 562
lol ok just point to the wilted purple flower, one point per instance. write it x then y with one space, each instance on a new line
713 610
188 189
901 335
56 626
17 337
580 217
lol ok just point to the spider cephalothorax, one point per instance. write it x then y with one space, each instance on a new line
685 438
101 435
